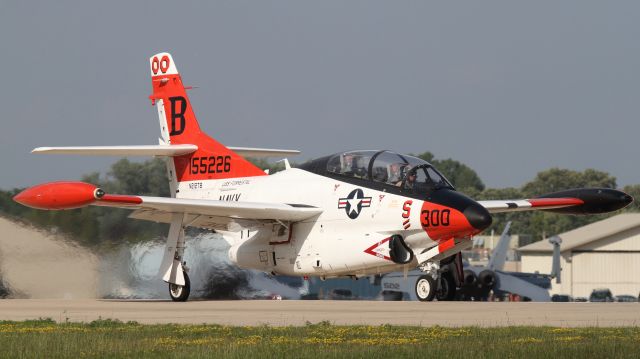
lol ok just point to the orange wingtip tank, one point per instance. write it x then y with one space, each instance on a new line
59 195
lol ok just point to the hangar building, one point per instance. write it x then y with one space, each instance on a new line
604 254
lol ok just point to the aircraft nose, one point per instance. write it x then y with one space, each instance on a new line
478 216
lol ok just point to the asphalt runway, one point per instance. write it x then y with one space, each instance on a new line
286 312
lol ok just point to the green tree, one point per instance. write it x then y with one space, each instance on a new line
541 224
463 177
557 179
268 165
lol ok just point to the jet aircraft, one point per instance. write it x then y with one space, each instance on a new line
353 213
479 281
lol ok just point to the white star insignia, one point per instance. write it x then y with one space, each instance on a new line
353 203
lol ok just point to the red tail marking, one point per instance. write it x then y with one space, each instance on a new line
155 65
164 64
212 160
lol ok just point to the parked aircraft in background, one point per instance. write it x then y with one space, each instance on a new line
480 281
352 213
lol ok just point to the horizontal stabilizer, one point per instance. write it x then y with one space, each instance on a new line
262 152
157 150
149 150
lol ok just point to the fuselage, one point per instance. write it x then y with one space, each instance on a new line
348 238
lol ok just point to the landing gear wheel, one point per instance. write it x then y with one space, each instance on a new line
425 288
180 293
447 290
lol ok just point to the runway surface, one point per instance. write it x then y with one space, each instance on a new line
284 313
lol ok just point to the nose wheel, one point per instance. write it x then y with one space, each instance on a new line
425 288
180 293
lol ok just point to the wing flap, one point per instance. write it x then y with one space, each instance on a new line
262 152
200 221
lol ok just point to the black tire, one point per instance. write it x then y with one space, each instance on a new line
180 293
425 288
447 290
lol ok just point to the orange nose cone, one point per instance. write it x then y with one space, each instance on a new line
57 195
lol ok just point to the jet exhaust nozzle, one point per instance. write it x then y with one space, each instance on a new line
487 279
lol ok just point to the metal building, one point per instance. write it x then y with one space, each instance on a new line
604 254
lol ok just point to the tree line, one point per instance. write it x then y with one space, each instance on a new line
95 226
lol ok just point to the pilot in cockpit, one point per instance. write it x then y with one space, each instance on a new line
395 173
347 163
409 179
352 165
410 182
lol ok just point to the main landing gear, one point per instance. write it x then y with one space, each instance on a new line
173 268
180 293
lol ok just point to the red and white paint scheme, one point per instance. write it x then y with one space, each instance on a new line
353 213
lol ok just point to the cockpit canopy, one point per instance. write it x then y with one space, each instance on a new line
384 168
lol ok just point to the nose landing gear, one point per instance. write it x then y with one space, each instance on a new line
438 282
425 288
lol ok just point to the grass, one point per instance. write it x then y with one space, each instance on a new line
108 338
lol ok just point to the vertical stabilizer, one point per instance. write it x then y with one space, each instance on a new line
178 125
499 254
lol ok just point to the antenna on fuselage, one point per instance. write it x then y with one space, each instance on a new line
287 165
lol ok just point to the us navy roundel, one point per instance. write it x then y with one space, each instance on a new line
354 203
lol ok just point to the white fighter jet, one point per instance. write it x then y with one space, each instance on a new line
352 213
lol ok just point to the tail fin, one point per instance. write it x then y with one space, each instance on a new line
178 125
499 254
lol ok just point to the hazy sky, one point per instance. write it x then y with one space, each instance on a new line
509 88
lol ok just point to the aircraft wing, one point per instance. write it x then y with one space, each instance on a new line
235 210
511 284
574 201
517 205
68 195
